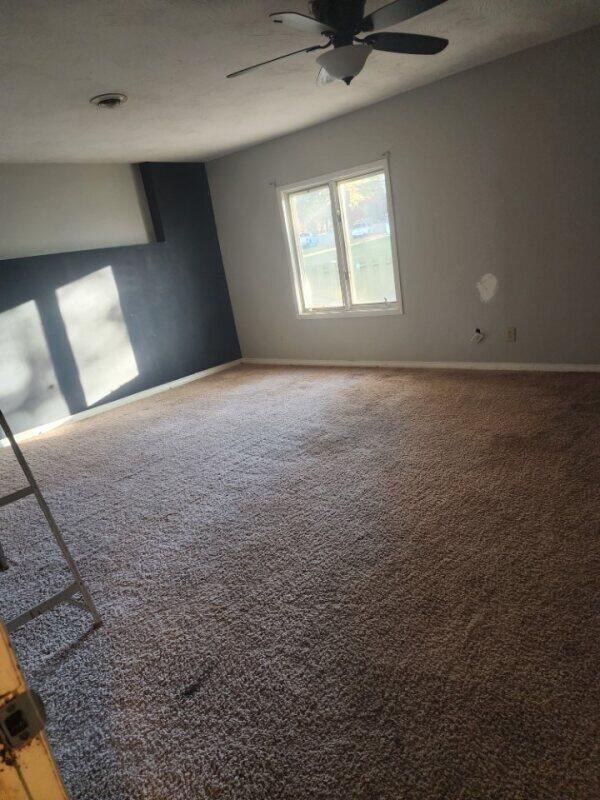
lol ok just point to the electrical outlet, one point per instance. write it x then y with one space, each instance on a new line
511 334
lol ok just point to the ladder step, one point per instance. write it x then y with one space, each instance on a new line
46 605
78 587
12 498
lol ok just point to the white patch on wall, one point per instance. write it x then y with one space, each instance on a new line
28 385
487 286
91 310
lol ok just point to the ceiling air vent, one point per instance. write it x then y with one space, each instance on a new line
110 100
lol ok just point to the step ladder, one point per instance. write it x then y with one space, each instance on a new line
76 593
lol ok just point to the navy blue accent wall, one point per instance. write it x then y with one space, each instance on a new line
173 301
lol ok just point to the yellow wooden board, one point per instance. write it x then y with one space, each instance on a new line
30 772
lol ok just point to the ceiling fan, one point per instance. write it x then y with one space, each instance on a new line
342 22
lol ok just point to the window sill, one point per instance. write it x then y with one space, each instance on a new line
354 312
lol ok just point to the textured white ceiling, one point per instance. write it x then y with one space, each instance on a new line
171 57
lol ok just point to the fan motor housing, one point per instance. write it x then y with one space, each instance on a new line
343 17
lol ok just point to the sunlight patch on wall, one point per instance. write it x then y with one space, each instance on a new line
28 386
91 311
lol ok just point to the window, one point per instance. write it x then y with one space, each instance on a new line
342 244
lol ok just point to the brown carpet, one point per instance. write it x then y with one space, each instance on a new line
320 583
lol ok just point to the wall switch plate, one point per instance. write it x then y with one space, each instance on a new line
511 334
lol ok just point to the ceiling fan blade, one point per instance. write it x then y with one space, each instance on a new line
395 12
323 77
412 43
277 58
301 22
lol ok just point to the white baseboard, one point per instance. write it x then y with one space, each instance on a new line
482 365
91 412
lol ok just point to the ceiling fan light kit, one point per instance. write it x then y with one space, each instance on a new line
343 23
344 63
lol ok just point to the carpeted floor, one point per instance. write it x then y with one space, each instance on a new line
323 583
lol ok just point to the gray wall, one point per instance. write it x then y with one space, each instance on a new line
495 170
56 208
81 329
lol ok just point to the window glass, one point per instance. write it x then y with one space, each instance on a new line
364 206
313 233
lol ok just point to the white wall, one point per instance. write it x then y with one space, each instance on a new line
494 170
57 208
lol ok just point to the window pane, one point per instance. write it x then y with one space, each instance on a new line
368 243
312 220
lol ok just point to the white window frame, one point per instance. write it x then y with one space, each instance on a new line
331 179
